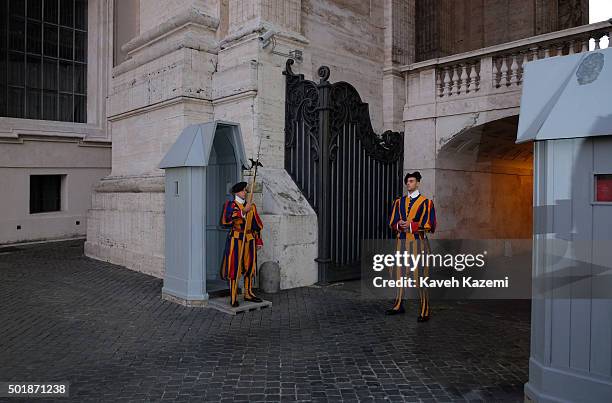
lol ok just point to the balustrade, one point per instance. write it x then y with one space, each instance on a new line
462 75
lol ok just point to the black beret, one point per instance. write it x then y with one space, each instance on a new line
240 186
416 175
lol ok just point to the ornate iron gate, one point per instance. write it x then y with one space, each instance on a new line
348 173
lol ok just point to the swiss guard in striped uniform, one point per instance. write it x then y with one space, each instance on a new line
235 215
412 218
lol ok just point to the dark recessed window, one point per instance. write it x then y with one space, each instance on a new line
43 59
45 193
603 187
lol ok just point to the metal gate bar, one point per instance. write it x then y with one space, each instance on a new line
349 174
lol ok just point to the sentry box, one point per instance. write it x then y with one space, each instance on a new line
201 167
566 110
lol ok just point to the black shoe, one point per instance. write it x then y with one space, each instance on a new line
423 318
253 299
235 304
395 311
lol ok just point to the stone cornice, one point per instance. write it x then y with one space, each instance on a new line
131 184
191 30
19 128
189 16
158 105
256 26
235 97
162 49
393 71
92 141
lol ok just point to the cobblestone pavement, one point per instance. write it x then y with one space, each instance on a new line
106 330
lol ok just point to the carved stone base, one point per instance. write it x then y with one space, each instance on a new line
185 302
125 225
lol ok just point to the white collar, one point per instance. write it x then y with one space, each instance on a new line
239 199
414 194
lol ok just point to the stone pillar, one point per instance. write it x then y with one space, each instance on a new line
399 32
240 52
399 50
164 85
249 88
546 16
426 39
573 13
554 15
420 128
247 14
126 17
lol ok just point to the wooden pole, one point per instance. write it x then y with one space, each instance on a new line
247 225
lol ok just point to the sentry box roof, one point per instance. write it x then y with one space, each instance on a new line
567 97
193 146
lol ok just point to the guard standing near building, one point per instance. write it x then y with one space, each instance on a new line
412 218
243 241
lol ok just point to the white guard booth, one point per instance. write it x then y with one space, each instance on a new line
201 167
566 109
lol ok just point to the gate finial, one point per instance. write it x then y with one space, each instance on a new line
323 73
288 71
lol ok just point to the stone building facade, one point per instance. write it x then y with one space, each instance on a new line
55 140
183 62
158 66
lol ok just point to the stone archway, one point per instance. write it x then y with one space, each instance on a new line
484 183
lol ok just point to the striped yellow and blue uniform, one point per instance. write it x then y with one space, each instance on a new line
418 209
235 219
421 212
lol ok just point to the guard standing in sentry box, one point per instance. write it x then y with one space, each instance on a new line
412 218
243 241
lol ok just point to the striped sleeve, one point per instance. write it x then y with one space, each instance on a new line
257 226
231 212
257 223
395 216
428 221
226 216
